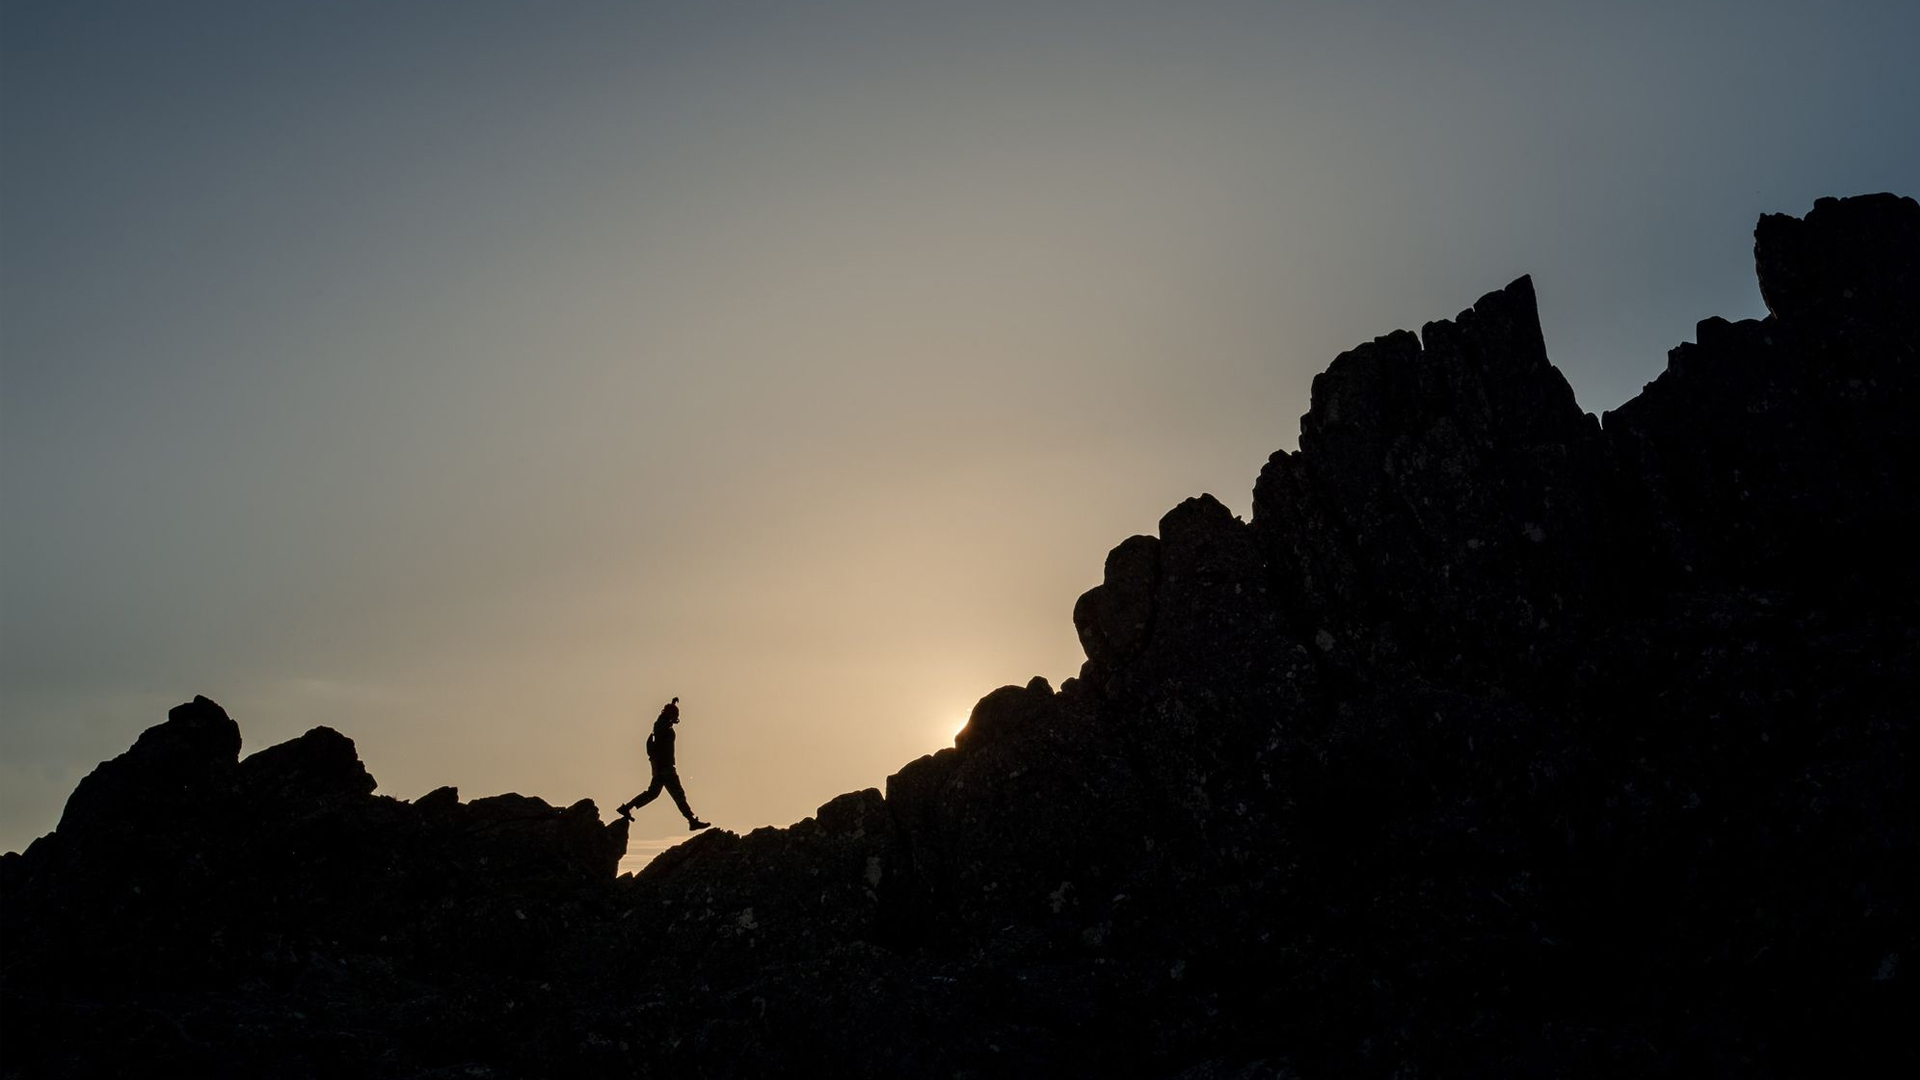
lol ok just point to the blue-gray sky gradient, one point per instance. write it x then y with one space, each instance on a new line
472 377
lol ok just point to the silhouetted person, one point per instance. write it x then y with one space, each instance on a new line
660 756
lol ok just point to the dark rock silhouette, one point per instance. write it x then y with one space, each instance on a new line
1501 741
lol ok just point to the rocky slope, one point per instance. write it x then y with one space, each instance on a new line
1501 741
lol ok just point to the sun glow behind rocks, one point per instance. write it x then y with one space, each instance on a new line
803 363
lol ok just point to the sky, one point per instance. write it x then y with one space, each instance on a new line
473 377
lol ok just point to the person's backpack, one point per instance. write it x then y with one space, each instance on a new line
653 749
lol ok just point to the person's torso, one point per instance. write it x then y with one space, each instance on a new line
660 746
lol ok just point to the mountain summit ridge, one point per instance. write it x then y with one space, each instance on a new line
1501 739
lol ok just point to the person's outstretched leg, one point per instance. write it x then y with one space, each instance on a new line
680 799
653 792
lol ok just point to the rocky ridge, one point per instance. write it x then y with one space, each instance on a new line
1502 740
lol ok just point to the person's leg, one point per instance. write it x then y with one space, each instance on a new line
679 794
647 796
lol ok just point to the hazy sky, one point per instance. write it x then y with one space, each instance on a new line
473 377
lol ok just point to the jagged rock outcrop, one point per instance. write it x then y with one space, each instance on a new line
1500 741
178 862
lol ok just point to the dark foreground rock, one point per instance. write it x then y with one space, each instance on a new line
1501 741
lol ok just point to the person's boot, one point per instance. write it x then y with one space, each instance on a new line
694 824
625 811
